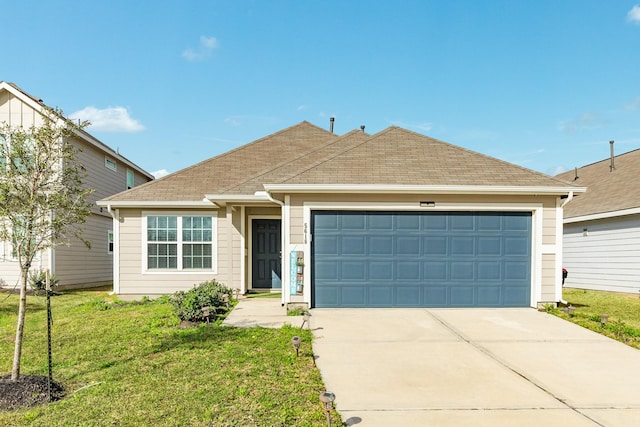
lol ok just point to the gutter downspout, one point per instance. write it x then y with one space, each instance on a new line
116 252
283 228
562 205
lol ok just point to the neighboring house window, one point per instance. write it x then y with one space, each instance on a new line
180 242
3 151
110 241
110 164
21 160
130 179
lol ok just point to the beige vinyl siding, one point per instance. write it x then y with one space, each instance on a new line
548 278
16 113
75 264
134 281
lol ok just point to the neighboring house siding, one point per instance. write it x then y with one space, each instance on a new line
75 265
607 257
78 265
134 281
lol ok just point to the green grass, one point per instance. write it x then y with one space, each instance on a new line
623 310
130 364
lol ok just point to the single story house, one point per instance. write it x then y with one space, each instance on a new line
107 172
602 226
394 219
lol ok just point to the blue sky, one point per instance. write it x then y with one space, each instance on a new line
543 84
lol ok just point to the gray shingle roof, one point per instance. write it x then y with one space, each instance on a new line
607 191
306 154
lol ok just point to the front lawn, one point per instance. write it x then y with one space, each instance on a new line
623 310
131 364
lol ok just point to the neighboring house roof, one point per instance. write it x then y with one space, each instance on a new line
610 192
305 155
38 104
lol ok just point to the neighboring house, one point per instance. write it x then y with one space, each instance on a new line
395 219
602 226
107 172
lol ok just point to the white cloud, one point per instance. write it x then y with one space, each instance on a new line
111 119
232 121
633 15
203 51
586 121
633 105
160 173
301 107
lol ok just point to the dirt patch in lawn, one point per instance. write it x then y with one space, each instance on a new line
29 390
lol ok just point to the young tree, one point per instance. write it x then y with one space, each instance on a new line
43 201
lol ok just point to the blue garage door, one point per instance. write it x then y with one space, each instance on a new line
409 259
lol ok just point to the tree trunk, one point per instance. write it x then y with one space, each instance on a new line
17 353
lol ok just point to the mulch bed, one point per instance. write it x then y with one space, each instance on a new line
27 391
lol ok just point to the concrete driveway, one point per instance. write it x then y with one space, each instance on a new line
473 367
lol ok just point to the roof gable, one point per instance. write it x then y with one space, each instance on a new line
228 170
608 191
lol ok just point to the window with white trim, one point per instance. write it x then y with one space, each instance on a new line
130 179
110 241
110 164
182 243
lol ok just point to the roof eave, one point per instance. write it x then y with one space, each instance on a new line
430 189
193 204
602 215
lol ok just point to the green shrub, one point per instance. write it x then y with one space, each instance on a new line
38 280
188 305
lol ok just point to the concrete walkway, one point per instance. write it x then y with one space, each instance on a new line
473 367
464 367
266 312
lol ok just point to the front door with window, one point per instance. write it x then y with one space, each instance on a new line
265 254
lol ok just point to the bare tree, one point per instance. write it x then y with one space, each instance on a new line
43 201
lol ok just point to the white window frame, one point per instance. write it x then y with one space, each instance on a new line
110 242
110 164
179 243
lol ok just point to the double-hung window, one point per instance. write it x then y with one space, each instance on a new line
180 243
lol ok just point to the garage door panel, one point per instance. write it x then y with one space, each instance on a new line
513 295
353 296
489 270
380 245
352 245
435 270
408 245
409 259
462 246
516 246
326 245
490 296
461 270
353 270
407 296
380 270
326 271
380 296
408 270
434 245
327 296
461 296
